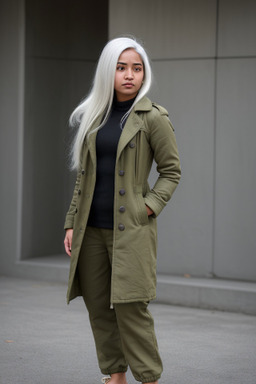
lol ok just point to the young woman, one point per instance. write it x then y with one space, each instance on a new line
110 227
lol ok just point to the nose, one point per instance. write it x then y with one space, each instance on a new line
129 73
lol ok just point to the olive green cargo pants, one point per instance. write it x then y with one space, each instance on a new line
123 335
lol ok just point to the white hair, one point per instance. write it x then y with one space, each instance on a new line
100 98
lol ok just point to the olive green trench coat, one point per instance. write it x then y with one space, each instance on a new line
147 135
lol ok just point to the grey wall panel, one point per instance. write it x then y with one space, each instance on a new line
60 61
60 30
50 96
237 28
44 160
186 89
170 28
235 242
11 114
79 78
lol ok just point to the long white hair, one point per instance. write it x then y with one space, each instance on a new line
100 98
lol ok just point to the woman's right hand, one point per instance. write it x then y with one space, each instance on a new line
68 241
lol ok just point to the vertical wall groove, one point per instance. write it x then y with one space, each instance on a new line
214 137
21 106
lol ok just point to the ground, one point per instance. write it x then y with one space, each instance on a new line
44 341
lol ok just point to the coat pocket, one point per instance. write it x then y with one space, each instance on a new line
142 210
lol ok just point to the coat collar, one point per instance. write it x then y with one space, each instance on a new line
143 105
132 126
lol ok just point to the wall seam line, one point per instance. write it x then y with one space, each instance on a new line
214 140
21 105
204 58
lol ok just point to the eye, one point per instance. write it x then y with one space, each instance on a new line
120 68
137 69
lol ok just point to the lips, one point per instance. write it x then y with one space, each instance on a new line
128 84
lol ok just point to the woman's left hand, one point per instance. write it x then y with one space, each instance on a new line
149 211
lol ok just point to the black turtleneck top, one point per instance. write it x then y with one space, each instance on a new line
101 213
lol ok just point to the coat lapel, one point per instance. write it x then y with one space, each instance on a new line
132 126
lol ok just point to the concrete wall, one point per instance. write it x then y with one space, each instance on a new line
60 61
203 56
48 57
11 128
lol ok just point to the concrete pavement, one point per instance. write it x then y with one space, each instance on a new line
44 341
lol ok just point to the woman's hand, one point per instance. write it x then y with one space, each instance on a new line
68 241
149 211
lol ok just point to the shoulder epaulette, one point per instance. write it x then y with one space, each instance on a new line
161 109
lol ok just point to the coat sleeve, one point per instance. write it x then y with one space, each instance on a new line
69 220
163 144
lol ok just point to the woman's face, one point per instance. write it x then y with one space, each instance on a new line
129 75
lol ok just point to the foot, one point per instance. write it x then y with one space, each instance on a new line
105 380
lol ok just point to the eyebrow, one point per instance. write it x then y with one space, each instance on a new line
120 62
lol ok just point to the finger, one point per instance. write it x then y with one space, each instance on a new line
67 247
70 242
68 251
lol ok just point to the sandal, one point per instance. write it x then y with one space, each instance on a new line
105 380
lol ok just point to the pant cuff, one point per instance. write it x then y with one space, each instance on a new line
148 379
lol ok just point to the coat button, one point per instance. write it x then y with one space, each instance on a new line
79 192
121 173
83 172
122 192
131 144
122 209
121 227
